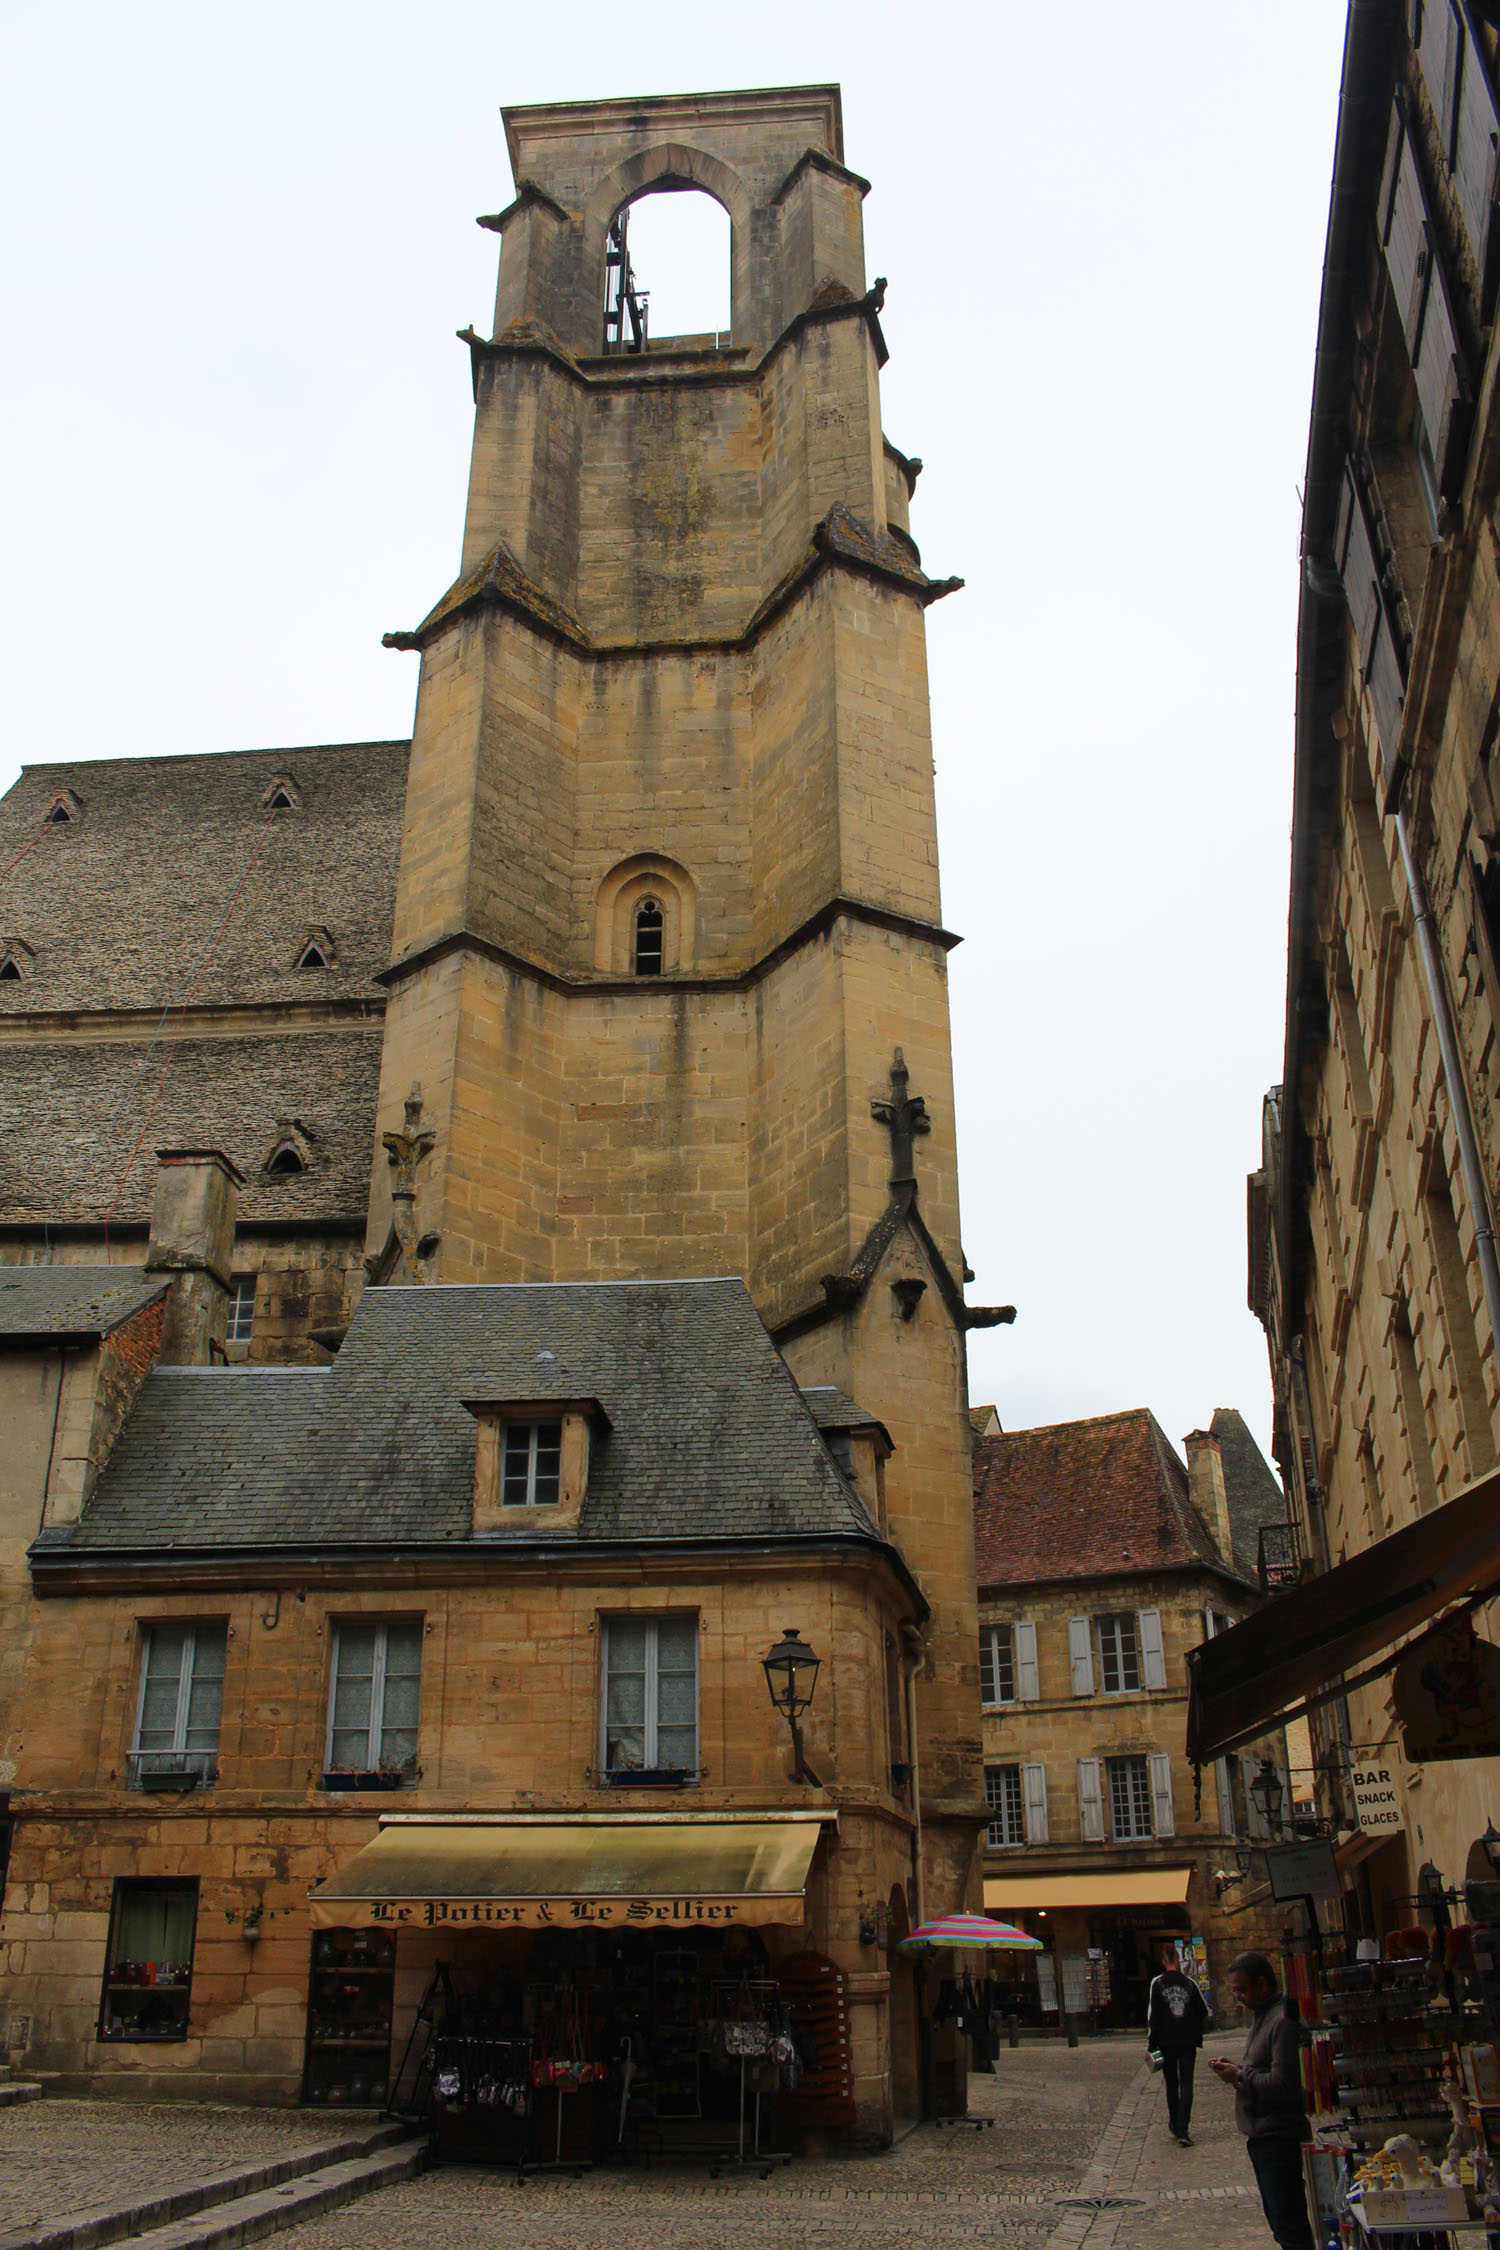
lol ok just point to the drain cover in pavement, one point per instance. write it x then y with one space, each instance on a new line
1099 2202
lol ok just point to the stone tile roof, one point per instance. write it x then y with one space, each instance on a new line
1089 1499
84 1104
833 1409
708 1435
1250 1485
118 905
72 1300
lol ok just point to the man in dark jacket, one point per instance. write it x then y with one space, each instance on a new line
1268 2105
1176 2012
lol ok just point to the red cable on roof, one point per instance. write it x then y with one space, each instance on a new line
49 822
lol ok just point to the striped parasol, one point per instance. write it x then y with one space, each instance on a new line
970 1929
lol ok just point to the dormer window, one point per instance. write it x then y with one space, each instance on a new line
16 958
59 813
281 795
286 1158
10 970
312 956
532 1453
532 1472
65 807
648 938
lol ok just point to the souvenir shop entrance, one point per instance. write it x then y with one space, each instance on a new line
590 2028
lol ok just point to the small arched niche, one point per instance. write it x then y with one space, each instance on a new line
668 272
645 920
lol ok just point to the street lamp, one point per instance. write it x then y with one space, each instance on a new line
1267 1791
791 1671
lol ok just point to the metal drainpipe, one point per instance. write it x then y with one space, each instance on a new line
919 1914
1458 1089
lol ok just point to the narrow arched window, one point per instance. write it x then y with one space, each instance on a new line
648 938
312 956
10 970
288 1159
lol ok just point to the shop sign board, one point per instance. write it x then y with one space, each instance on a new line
1447 1692
1376 1805
598 1913
1303 1871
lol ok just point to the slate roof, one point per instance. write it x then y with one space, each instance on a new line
118 906
1251 1487
76 1112
1090 1499
709 1436
833 1409
58 1301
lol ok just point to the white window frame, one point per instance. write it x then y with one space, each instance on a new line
991 1640
1008 1795
1114 1618
1132 1758
533 1431
204 1762
650 1753
241 1301
375 1737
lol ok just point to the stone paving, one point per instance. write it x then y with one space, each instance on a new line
56 2156
1087 2123
1090 2121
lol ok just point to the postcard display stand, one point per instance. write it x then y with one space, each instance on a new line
1380 2041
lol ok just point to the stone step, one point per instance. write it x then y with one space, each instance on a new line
239 2205
13 2090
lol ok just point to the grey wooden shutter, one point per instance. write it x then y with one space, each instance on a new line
1153 1655
1034 1794
1081 1655
988 1685
1162 1821
1476 156
1090 1801
1380 659
1420 288
1024 1644
1225 1788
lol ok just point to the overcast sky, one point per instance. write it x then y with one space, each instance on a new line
237 245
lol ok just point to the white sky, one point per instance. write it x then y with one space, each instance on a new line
237 244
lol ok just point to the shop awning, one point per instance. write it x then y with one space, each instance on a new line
1135 1886
498 1871
1244 1682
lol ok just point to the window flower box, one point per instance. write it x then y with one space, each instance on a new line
645 1777
350 1777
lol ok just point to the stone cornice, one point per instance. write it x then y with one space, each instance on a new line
839 908
75 1568
250 1019
840 540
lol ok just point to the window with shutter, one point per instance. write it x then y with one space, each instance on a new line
1380 661
1153 1654
1119 1653
1129 1799
1419 286
1456 75
1034 1792
1090 1801
1002 1794
1023 1638
997 1671
1080 1656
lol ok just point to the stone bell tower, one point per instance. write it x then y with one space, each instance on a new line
669 967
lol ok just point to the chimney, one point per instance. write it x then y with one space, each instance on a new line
1206 1489
192 1239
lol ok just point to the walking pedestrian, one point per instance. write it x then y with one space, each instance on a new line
1268 2105
1176 2012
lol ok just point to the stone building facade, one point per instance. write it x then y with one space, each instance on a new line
626 975
1101 1563
1371 1217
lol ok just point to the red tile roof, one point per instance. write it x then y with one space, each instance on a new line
1084 1500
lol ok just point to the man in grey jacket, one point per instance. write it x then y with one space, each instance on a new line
1268 2105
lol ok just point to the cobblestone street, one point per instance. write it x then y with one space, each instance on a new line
1088 2124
